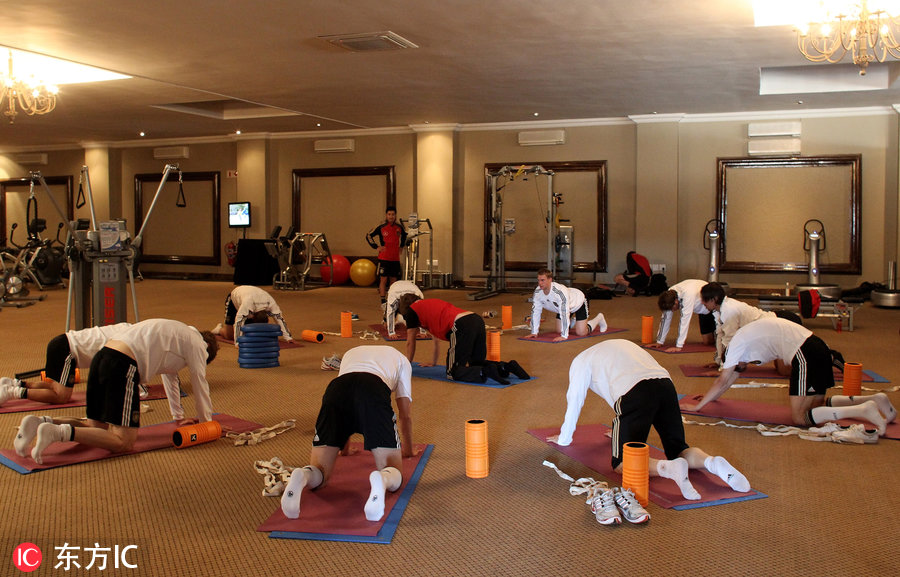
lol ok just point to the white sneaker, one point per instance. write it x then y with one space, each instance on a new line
855 434
332 363
603 506
826 429
631 509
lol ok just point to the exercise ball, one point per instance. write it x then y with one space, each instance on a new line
341 269
362 272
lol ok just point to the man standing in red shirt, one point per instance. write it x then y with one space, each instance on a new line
392 237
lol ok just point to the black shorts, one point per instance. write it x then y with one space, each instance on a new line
811 369
357 403
651 402
60 362
581 314
230 311
389 268
468 349
707 324
112 390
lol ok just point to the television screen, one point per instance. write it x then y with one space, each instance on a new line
239 214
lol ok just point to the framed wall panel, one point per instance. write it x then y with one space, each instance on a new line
764 204
14 195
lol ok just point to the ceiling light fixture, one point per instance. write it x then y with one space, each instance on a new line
828 29
32 95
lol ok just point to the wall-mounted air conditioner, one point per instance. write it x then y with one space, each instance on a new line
171 152
336 145
542 137
788 128
31 158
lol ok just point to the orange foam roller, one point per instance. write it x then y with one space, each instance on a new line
636 470
493 346
506 317
191 435
476 449
852 379
312 336
346 324
646 330
77 375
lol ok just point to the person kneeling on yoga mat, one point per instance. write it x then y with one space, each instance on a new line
642 394
684 297
359 401
248 304
812 374
148 348
462 329
65 353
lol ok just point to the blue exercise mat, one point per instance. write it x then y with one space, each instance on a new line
439 373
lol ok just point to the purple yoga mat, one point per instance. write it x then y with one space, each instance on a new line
76 400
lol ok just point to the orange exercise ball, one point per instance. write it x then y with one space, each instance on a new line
362 272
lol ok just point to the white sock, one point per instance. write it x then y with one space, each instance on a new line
677 470
598 321
884 403
217 330
867 411
47 434
387 479
290 499
27 431
721 468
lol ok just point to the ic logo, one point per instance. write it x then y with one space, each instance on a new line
27 557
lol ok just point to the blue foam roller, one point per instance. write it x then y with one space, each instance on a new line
257 339
253 357
259 347
261 328
264 365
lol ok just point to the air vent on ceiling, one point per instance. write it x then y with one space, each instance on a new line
369 41
32 158
171 152
542 137
336 145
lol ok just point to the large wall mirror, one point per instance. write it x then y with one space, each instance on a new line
582 186
327 199
176 234
764 204
14 196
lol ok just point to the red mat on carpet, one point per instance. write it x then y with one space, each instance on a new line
548 337
687 348
76 400
591 447
281 343
757 372
401 333
768 413
337 508
149 438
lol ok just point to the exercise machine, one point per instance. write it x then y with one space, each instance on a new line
413 247
500 229
101 258
814 243
296 253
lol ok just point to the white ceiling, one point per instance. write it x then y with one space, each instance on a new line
477 62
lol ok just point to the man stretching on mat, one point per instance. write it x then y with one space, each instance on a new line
359 401
397 290
462 329
65 353
152 347
684 297
811 375
249 304
568 304
642 395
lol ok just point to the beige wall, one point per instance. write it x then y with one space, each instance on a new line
661 184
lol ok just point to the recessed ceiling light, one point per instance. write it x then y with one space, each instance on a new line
237 131
537 113
799 102
318 124
142 133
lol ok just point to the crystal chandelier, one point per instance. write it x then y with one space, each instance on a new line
866 29
32 95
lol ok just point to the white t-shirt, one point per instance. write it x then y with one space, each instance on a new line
248 299
689 303
610 369
766 340
732 315
164 347
386 362
84 344
562 300
397 290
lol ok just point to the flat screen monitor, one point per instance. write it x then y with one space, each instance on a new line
239 214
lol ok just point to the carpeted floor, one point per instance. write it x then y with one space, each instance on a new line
195 511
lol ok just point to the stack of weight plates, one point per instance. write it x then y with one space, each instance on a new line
258 346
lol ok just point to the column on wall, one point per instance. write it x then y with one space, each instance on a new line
656 190
434 190
252 184
106 206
